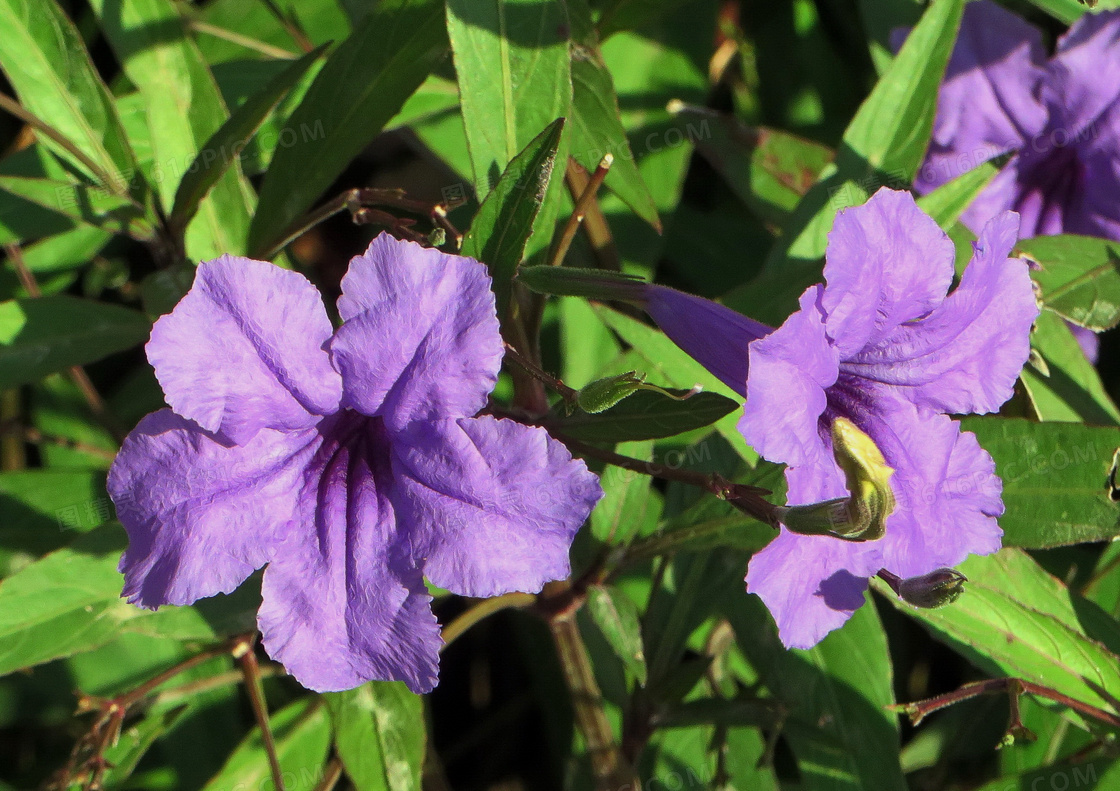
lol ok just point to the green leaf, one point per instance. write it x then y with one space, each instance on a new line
82 202
1014 619
505 220
886 141
379 735
303 733
42 335
596 122
1100 773
135 740
1067 11
1078 278
616 615
1071 389
627 502
44 58
676 369
646 415
837 694
40 506
769 169
183 108
363 84
946 203
512 62
70 601
224 146
1055 480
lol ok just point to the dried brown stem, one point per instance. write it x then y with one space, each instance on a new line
243 653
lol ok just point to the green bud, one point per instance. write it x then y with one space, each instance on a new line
933 590
566 281
863 515
602 394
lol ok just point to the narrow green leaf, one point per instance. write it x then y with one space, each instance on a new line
363 84
1055 480
135 740
70 601
646 415
675 368
769 169
1071 389
837 694
81 202
224 146
1014 619
1068 11
42 335
596 122
505 220
183 108
886 141
627 502
379 735
44 58
616 615
512 62
303 735
1078 278
946 203
1100 773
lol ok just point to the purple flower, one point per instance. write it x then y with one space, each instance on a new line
348 462
1058 118
883 346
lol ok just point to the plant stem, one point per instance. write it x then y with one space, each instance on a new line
919 710
608 765
583 202
481 610
256 45
243 653
331 776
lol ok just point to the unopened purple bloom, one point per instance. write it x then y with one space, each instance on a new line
1059 118
883 346
348 462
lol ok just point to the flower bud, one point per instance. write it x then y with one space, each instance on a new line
862 516
933 590
568 281
602 394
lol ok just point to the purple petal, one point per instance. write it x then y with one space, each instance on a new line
966 355
1088 340
419 339
988 102
811 584
245 350
945 485
713 335
790 369
1082 83
201 516
342 604
492 505
887 263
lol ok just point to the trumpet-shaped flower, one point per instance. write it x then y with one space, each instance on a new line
1056 117
350 463
882 345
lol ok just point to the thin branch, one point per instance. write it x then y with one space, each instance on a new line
481 610
243 653
248 42
919 710
595 224
331 776
183 691
584 201
567 393
12 428
747 499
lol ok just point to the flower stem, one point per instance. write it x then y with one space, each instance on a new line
608 765
243 653
919 710
481 610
